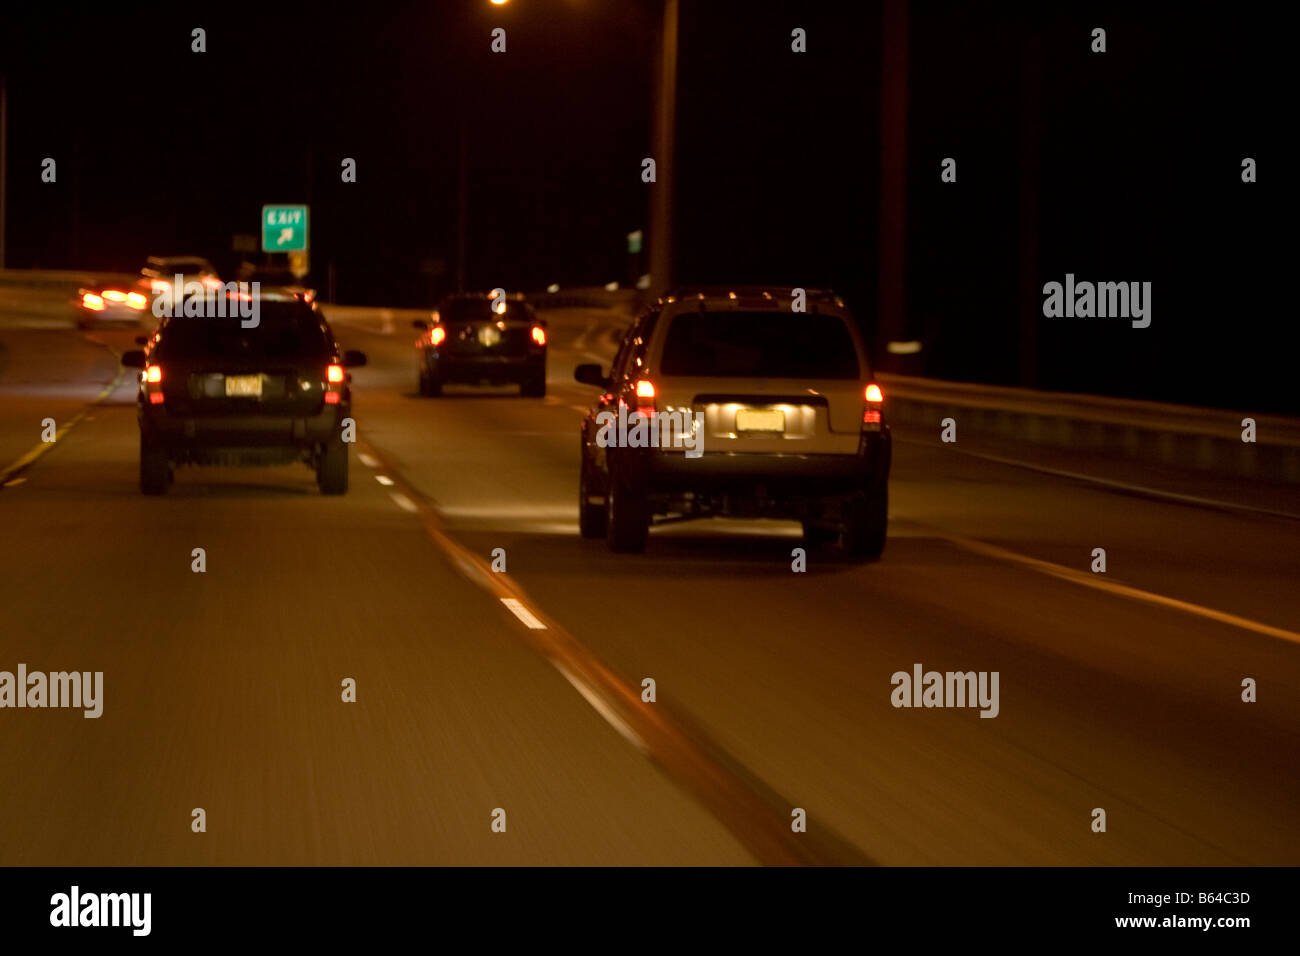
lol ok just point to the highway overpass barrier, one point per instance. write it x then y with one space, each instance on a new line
1175 435
590 297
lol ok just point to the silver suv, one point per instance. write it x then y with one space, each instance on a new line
726 402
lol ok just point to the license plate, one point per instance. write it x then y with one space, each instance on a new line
489 335
760 420
243 386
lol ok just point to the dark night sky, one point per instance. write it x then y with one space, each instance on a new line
1139 150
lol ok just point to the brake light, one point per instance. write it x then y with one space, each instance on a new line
159 285
155 398
153 373
113 295
437 334
645 397
539 335
136 301
331 398
92 302
871 411
334 374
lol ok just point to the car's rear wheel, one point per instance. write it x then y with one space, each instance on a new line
155 468
818 534
591 518
534 387
627 512
332 468
865 522
430 387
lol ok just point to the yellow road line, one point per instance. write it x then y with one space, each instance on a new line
30 458
755 815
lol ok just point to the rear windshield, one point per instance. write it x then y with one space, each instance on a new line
284 331
759 345
469 310
188 267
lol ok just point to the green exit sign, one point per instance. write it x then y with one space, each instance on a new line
284 228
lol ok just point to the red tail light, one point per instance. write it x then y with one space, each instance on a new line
539 335
136 301
92 302
331 398
113 295
437 334
871 415
153 376
159 285
645 396
334 374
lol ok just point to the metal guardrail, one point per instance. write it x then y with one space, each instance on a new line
1178 435
38 278
593 297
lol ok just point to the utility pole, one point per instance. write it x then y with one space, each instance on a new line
462 213
1030 303
663 146
892 316
4 153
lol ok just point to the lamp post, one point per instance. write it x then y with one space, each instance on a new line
663 146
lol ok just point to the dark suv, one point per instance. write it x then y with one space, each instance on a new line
213 392
474 338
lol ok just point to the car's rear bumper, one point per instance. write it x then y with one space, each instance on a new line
802 475
112 314
241 431
474 368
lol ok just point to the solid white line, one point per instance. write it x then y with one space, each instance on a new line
518 610
1119 485
1088 580
384 480
403 502
367 460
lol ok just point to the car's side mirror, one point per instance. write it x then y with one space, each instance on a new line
133 359
354 359
419 324
589 373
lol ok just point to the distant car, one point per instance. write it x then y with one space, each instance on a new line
783 420
474 339
161 271
279 279
112 303
214 393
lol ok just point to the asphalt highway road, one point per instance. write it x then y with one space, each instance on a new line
222 689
